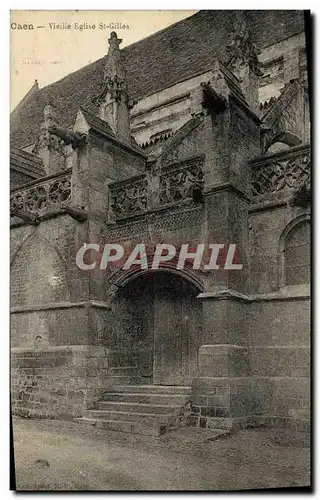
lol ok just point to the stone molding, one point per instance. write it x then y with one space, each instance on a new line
226 186
299 292
96 351
223 295
60 305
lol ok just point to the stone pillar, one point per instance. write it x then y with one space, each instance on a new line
291 65
49 146
101 160
221 394
249 81
242 59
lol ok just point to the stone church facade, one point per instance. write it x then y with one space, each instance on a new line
199 134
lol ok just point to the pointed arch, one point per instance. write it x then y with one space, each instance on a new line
293 246
285 137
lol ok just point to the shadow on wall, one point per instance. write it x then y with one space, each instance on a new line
38 278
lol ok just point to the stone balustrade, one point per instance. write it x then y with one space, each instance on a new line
40 196
176 184
287 170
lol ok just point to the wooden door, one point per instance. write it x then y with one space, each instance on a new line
134 318
177 331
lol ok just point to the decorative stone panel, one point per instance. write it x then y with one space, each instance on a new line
177 184
282 171
41 196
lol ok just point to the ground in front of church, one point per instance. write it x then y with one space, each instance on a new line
58 455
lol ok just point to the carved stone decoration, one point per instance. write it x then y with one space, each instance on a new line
153 182
39 198
36 199
113 98
266 105
48 140
16 203
178 184
211 101
49 146
129 198
75 139
59 191
240 50
181 185
114 79
286 171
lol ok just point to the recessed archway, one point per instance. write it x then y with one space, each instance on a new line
158 327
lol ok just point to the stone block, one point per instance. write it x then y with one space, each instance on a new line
223 412
209 411
223 361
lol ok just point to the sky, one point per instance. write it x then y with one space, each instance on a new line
47 53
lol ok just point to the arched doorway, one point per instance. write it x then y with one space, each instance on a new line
158 322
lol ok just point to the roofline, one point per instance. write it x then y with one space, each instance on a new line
34 88
278 40
163 29
100 58
142 40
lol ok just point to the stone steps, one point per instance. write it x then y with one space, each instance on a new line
154 429
144 398
147 418
154 389
139 409
123 380
123 371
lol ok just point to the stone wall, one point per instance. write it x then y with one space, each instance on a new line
264 381
282 62
266 228
46 283
279 316
279 357
253 361
171 108
56 382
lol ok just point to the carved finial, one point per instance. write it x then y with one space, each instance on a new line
115 103
49 113
114 65
241 50
49 147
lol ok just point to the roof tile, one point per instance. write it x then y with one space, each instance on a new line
159 61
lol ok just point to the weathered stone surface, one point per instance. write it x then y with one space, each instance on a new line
53 382
240 338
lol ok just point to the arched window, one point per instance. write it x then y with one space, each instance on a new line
296 254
